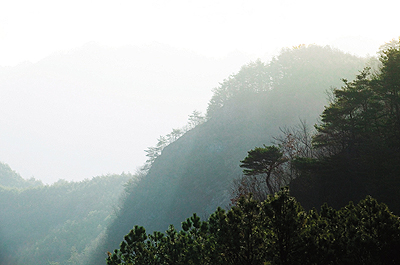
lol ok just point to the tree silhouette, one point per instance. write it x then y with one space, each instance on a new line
264 161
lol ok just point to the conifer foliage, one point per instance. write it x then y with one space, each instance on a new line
359 137
276 231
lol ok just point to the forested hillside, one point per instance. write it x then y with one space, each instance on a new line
91 91
358 139
10 178
355 146
354 153
274 231
54 224
195 172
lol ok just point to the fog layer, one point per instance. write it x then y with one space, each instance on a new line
94 110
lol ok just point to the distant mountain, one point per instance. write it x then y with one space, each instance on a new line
95 109
55 224
11 179
195 173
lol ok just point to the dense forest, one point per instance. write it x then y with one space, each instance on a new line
275 231
54 224
324 123
358 140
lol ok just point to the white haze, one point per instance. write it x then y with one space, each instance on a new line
86 86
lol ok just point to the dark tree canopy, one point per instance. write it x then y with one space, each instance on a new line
359 137
264 161
275 231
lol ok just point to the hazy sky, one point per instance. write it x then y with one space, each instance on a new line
30 30
88 142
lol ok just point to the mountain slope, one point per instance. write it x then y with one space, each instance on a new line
194 173
100 97
10 178
57 223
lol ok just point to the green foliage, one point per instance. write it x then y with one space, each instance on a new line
366 109
264 161
354 118
238 234
276 231
268 168
358 139
189 246
285 219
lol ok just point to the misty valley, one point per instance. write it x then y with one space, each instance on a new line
296 160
